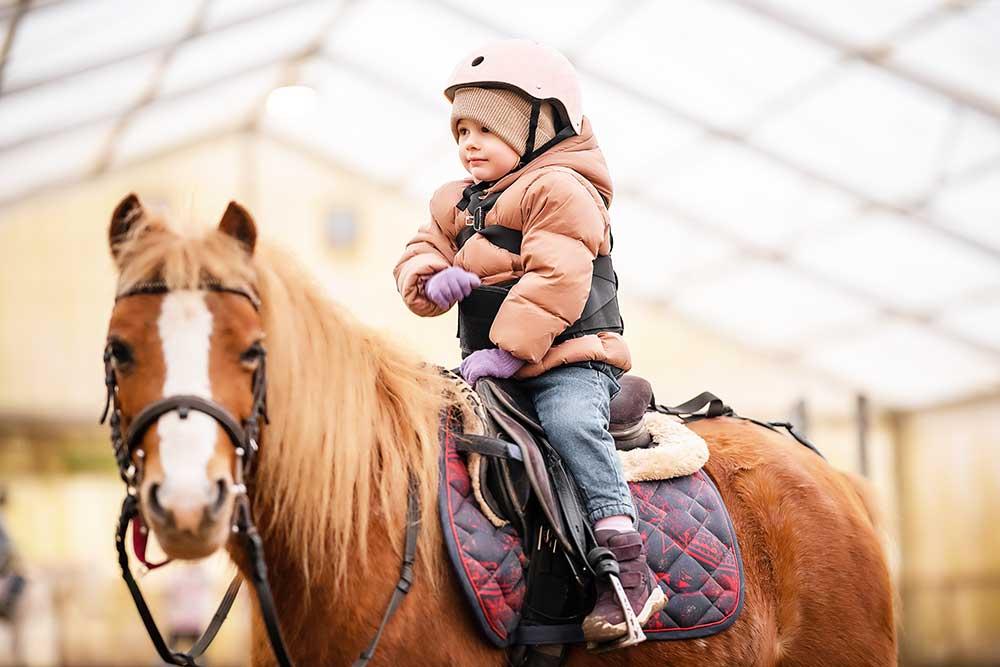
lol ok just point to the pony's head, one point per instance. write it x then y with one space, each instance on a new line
185 324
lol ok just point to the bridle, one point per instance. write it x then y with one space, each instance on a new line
244 438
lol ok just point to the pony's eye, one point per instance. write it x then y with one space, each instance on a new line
121 353
252 355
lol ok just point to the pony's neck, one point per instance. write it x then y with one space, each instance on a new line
353 418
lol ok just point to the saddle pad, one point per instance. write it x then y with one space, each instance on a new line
689 536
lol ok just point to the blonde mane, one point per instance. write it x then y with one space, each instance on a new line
352 416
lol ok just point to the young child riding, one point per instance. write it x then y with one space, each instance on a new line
523 248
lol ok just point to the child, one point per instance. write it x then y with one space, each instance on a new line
523 247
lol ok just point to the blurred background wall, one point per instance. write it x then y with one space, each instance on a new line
806 223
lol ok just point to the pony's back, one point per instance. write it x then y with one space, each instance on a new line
817 583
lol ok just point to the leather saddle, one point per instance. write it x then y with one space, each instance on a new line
520 474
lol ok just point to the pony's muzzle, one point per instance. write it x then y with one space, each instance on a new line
188 511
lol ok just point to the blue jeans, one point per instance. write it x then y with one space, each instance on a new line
574 407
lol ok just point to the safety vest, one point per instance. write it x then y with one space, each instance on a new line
478 310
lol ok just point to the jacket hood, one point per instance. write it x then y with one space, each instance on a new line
579 153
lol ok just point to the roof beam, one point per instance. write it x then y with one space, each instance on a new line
8 43
10 10
880 56
160 46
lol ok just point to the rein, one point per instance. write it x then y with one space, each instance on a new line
244 437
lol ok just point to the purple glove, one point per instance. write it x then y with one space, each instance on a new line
450 285
495 363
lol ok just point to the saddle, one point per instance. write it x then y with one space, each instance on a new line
528 569
520 466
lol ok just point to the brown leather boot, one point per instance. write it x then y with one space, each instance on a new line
607 620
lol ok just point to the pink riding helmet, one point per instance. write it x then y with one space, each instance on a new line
537 71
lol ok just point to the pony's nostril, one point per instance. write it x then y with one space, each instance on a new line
154 502
221 491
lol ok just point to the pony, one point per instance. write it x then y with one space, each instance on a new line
354 426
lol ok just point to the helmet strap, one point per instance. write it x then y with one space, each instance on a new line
529 147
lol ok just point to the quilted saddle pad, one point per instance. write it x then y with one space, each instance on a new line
689 537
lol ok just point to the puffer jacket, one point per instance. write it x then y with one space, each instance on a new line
559 203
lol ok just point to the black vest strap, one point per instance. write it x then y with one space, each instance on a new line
601 313
500 236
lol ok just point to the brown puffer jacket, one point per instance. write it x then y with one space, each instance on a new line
559 203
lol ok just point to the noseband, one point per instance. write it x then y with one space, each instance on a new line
244 437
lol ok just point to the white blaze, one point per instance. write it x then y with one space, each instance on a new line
186 445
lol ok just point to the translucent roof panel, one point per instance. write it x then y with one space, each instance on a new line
358 124
972 207
417 60
867 129
652 252
87 33
770 306
636 138
761 202
907 366
859 22
904 264
183 119
250 45
223 12
979 323
714 60
560 23
42 163
963 49
976 141
84 98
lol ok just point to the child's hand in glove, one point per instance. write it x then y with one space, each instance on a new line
448 286
495 363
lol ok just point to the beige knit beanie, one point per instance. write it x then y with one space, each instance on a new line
505 112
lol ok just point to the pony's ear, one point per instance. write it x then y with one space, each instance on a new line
237 223
126 214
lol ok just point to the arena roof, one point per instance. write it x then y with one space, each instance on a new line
816 180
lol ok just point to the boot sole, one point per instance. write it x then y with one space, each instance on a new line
599 632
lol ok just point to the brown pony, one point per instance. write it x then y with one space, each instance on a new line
353 416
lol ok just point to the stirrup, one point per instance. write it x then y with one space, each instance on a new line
633 630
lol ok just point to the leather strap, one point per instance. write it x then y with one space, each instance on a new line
183 404
218 618
484 444
405 574
690 411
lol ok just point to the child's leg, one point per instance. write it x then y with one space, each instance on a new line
574 405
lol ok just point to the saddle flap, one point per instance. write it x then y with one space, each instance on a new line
537 473
508 395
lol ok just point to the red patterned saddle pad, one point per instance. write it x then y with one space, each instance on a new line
689 537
